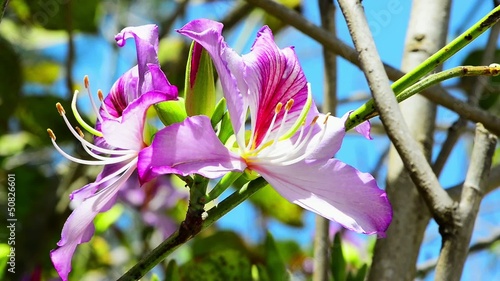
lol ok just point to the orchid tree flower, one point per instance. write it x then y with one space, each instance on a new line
119 137
290 144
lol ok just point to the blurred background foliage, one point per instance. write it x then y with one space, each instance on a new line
38 57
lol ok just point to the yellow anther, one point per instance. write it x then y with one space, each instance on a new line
278 108
326 117
51 134
79 132
100 95
60 109
289 104
86 82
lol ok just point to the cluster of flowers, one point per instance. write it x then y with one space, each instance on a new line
288 142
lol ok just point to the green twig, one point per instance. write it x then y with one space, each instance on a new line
190 227
5 3
492 70
222 185
359 115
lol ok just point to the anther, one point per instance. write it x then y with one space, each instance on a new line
100 95
60 109
326 118
51 134
86 81
278 108
289 104
314 120
79 131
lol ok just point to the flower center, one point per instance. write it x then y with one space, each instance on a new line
270 148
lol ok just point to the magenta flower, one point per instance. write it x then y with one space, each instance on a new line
119 139
290 144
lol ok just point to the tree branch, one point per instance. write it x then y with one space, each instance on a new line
456 233
414 160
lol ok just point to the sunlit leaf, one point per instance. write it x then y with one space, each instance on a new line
44 72
104 220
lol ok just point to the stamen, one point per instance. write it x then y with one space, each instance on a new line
86 81
51 134
60 109
103 105
87 87
90 162
302 117
80 120
79 132
278 107
326 118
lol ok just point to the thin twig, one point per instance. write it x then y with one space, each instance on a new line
70 58
415 162
322 228
436 94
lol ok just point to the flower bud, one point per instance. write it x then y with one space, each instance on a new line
199 87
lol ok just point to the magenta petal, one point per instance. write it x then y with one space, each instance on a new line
227 63
186 148
146 42
335 191
273 76
364 129
79 227
127 132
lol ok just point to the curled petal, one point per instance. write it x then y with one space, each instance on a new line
335 191
186 148
146 42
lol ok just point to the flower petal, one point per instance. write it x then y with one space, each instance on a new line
227 63
79 227
127 132
146 42
273 76
185 148
333 190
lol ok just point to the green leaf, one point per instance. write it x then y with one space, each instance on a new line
360 274
338 263
42 72
55 15
199 83
172 271
219 241
273 205
223 265
104 220
275 266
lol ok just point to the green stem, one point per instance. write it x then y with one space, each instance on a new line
186 232
447 51
459 71
367 110
222 185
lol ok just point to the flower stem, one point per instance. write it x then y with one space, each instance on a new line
191 226
366 111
